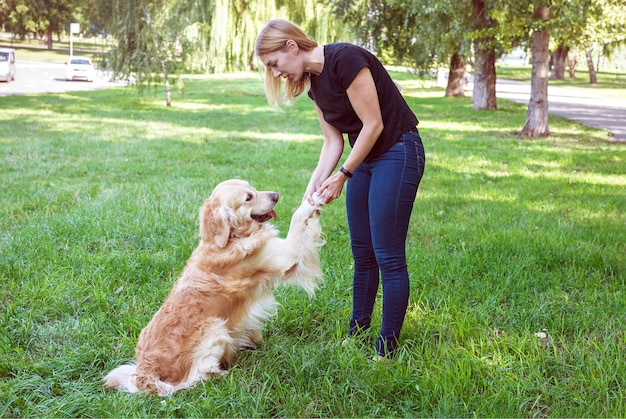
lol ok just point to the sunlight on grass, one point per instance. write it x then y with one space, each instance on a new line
459 128
574 176
420 85
197 106
491 196
543 164
112 128
242 75
598 179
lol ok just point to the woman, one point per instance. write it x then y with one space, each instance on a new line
354 94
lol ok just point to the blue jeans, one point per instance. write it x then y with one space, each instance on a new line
379 201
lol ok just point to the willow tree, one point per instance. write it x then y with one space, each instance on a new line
235 25
149 47
197 16
316 18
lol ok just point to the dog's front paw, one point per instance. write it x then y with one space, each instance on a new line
319 198
304 212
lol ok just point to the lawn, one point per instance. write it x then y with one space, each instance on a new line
36 49
610 84
516 249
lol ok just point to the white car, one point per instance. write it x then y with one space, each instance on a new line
80 68
7 64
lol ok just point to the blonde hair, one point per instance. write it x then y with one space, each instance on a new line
272 38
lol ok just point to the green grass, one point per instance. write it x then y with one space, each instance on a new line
36 49
610 84
509 237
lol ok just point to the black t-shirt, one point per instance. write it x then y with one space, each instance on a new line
342 63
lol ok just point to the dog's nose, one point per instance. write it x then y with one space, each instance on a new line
274 196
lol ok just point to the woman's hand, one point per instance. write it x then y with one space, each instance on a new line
328 191
331 188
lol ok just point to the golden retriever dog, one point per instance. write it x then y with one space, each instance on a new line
225 292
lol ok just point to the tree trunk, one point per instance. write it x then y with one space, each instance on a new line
593 79
484 93
168 93
49 38
537 118
572 61
456 77
560 62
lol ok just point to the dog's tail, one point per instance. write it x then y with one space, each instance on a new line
122 378
125 378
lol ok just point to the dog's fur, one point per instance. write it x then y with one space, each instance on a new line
224 294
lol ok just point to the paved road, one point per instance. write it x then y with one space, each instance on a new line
43 77
594 111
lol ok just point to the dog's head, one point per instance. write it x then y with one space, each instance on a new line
235 209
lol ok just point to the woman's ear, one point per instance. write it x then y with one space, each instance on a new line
292 46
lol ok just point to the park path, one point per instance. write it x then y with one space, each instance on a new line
588 109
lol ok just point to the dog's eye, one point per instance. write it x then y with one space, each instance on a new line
249 197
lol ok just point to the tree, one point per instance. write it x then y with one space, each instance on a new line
234 27
96 15
593 78
537 117
484 94
52 16
444 31
605 25
223 32
581 25
434 31
156 39
456 76
566 27
416 34
149 44
559 62
41 17
18 16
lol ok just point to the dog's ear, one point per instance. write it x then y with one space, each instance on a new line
215 225
222 221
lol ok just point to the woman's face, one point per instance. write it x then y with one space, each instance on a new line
285 63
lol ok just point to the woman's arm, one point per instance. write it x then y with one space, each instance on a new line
364 100
329 157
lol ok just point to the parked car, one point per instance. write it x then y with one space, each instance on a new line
80 68
7 64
